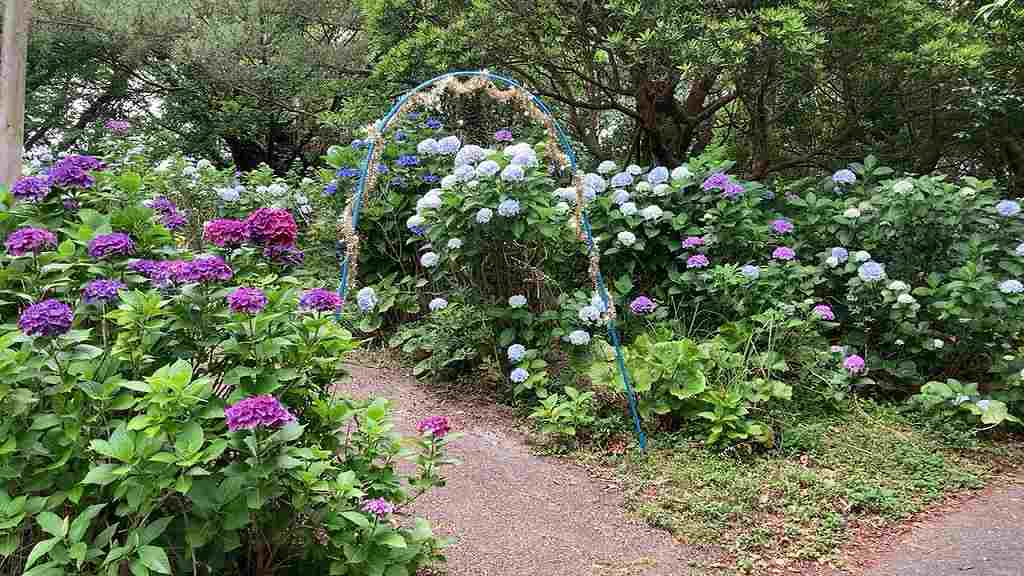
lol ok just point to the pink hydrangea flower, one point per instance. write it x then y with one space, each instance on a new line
257 412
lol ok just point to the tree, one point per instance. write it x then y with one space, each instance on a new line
12 88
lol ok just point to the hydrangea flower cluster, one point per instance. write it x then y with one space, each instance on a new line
854 364
247 300
263 411
30 241
366 299
781 226
871 271
437 304
513 173
435 426
606 167
621 180
226 232
503 135
626 238
628 209
824 312
110 245
1008 208
693 241
74 172
844 176
517 301
516 352
201 270
750 271
379 507
410 160
519 375
429 259
272 226
484 215
416 224
101 291
31 189
651 213
697 261
579 338
117 126
170 217
454 243
784 253
1011 287
642 306
508 208
721 181
658 175
320 300
284 254
590 313
47 318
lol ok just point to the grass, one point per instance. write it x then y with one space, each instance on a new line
830 476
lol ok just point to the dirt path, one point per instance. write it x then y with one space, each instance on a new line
981 537
515 513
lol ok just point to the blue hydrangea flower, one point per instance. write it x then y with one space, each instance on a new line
516 352
437 304
1011 287
844 176
517 301
357 144
427 147
658 176
366 298
400 136
434 123
751 272
621 180
589 313
595 182
330 190
430 178
513 173
487 169
470 154
579 338
448 145
525 159
628 209
606 167
347 172
464 173
871 271
519 375
416 224
408 160
620 197
1008 208
840 254
382 169
484 215
508 208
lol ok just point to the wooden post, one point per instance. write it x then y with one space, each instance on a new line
12 88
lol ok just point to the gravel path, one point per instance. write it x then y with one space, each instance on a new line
983 537
514 513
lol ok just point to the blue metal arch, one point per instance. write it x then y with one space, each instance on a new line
563 140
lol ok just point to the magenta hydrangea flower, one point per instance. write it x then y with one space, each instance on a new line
30 241
824 312
642 306
436 426
697 261
783 253
504 135
74 172
285 255
320 300
247 300
201 270
272 227
257 412
854 364
226 232
31 188
46 318
101 291
117 126
379 507
781 226
693 241
107 245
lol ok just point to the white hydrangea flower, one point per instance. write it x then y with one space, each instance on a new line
861 256
938 344
454 243
681 173
562 207
626 238
427 147
628 209
428 202
472 184
517 301
606 167
852 213
651 213
437 304
204 164
229 194
484 215
905 299
589 314
643 186
579 338
832 261
634 170
429 260
449 181
903 187
188 170
662 189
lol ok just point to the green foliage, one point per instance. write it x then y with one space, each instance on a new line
454 339
565 416
952 399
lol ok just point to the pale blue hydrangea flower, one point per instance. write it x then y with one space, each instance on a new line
484 215
513 173
449 182
229 194
651 213
508 208
628 209
751 272
681 173
1008 208
634 170
487 169
871 271
429 201
579 337
844 176
562 207
626 238
517 301
1019 251
416 224
454 243
437 304
597 302
366 298
658 176
1011 287
516 352
841 254
525 159
983 404
429 260
589 313
470 154
566 194
464 173
448 145
595 182
621 180
519 375
620 197
517 149
427 147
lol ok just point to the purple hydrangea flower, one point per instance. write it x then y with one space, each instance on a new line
750 271
117 126
379 507
824 312
871 271
844 176
358 144
108 245
430 178
225 232
46 318
347 172
434 123
781 226
642 306
247 300
1008 208
73 172
783 253
201 270
101 291
693 241
854 364
284 255
31 188
320 300
70 205
408 160
519 375
697 261
504 135
331 189
257 412
436 426
30 241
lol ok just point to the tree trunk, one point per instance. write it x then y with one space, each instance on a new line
246 154
12 88
1014 152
